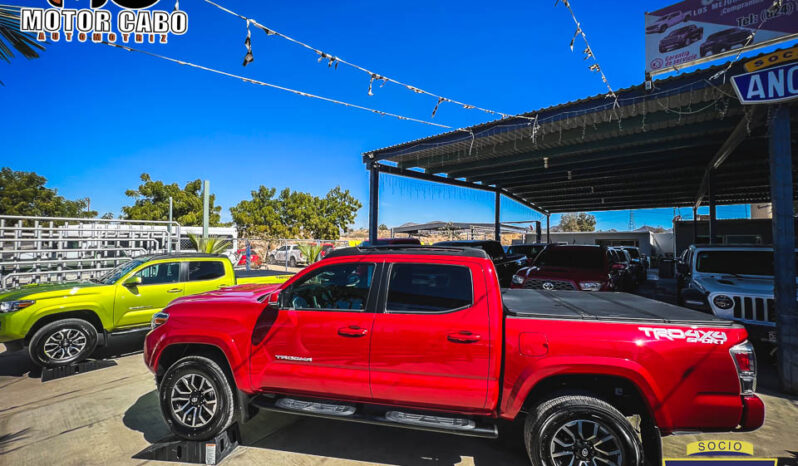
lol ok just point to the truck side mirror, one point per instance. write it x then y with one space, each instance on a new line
274 301
133 281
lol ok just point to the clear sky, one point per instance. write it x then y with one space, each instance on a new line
91 119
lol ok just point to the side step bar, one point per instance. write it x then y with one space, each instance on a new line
377 415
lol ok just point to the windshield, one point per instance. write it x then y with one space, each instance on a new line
578 258
118 272
634 253
735 262
528 251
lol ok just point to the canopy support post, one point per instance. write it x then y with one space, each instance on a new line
497 226
374 201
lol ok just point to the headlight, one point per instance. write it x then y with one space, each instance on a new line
518 279
158 319
11 306
723 302
590 286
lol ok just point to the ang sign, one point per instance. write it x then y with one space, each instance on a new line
697 31
767 86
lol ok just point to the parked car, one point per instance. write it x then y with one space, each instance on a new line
666 21
288 254
434 344
63 323
326 248
530 250
638 262
506 264
630 273
731 282
724 40
681 38
391 241
254 258
572 267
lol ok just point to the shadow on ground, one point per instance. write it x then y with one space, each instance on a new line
145 417
18 363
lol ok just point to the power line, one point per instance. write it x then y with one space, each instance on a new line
589 53
333 61
282 88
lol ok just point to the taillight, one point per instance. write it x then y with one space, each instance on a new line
745 361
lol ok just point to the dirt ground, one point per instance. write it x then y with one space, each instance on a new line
109 415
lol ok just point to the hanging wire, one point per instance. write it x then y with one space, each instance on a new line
286 89
333 59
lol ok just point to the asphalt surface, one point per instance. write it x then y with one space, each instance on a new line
109 415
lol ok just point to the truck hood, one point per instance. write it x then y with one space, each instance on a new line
564 273
51 290
240 293
732 284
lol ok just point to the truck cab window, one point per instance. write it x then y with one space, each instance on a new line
160 273
428 288
205 270
340 286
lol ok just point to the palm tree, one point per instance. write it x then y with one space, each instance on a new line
310 252
12 37
209 245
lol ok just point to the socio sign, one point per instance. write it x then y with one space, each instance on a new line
134 22
770 85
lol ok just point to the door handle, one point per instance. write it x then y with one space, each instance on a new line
352 331
174 290
463 336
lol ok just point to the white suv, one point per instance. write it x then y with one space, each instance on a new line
731 282
288 254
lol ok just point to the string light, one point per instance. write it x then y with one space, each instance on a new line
588 52
286 89
335 60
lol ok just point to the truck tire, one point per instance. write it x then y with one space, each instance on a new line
63 342
568 429
292 262
196 398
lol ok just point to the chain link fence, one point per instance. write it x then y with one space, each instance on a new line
283 253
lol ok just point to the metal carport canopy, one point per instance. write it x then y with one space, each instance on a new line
653 150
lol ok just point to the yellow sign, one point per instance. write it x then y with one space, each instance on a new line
737 447
781 56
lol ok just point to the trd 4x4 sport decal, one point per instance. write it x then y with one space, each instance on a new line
690 336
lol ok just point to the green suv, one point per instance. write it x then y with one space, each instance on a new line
63 323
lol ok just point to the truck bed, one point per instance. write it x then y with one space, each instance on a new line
244 277
600 306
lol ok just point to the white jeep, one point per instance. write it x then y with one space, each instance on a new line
731 282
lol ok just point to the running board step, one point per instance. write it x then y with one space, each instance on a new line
378 415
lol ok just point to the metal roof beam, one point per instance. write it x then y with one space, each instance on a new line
463 184
737 136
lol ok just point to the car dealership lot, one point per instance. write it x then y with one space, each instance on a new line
108 415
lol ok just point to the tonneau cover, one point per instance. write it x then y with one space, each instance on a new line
586 305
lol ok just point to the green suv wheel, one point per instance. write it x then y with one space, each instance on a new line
63 342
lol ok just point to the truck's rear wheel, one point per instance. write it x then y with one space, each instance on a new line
63 342
580 430
292 262
196 398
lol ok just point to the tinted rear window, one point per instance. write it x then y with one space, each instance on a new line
428 288
205 270
634 253
578 258
528 251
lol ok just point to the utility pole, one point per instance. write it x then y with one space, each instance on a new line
206 196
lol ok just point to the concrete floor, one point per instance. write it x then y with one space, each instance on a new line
108 415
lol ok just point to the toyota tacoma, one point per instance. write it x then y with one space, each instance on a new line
424 338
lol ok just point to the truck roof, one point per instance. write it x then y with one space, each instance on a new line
409 249
181 255
590 306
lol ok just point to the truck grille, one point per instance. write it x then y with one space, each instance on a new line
752 308
537 284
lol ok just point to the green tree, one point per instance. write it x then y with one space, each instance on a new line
295 214
11 36
25 193
152 202
581 221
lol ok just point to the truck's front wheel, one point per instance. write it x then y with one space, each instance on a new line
63 342
580 430
196 398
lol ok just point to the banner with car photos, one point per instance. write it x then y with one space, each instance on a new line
697 31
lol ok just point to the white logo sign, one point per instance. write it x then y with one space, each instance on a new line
716 337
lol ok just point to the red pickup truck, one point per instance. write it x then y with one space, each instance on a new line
424 338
